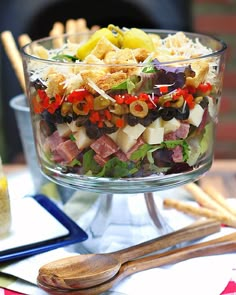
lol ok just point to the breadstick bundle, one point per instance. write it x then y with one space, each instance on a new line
211 204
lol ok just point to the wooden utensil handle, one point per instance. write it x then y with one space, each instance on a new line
217 246
197 230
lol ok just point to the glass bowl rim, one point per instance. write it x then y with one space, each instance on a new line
193 34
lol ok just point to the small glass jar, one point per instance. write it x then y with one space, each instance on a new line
5 208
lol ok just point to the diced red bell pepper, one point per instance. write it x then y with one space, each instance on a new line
204 87
143 97
190 101
120 123
77 95
119 98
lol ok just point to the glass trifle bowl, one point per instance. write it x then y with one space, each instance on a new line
125 111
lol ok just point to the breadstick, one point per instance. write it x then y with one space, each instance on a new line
57 30
70 26
24 39
204 199
219 198
95 28
81 26
71 29
14 56
199 211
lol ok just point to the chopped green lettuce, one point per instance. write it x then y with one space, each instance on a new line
117 168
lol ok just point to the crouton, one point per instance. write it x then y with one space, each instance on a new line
93 75
140 54
124 58
55 84
102 47
103 81
109 80
93 59
201 69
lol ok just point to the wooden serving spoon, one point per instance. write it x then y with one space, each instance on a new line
225 244
84 271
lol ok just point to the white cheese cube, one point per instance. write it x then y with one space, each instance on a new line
63 130
134 131
195 115
81 138
153 135
73 127
171 125
156 123
113 136
124 141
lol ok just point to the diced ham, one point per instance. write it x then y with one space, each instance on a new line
104 146
180 133
135 147
56 157
68 150
177 155
183 130
54 140
170 136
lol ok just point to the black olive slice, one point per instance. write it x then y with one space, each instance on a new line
167 113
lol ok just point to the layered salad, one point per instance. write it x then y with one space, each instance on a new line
124 103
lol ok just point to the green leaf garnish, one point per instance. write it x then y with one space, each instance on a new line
72 138
74 162
128 84
149 69
65 57
89 164
121 86
141 152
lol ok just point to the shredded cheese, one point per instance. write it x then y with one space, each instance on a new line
100 91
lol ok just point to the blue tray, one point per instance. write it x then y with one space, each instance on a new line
75 235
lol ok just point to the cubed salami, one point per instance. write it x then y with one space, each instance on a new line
104 146
68 150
